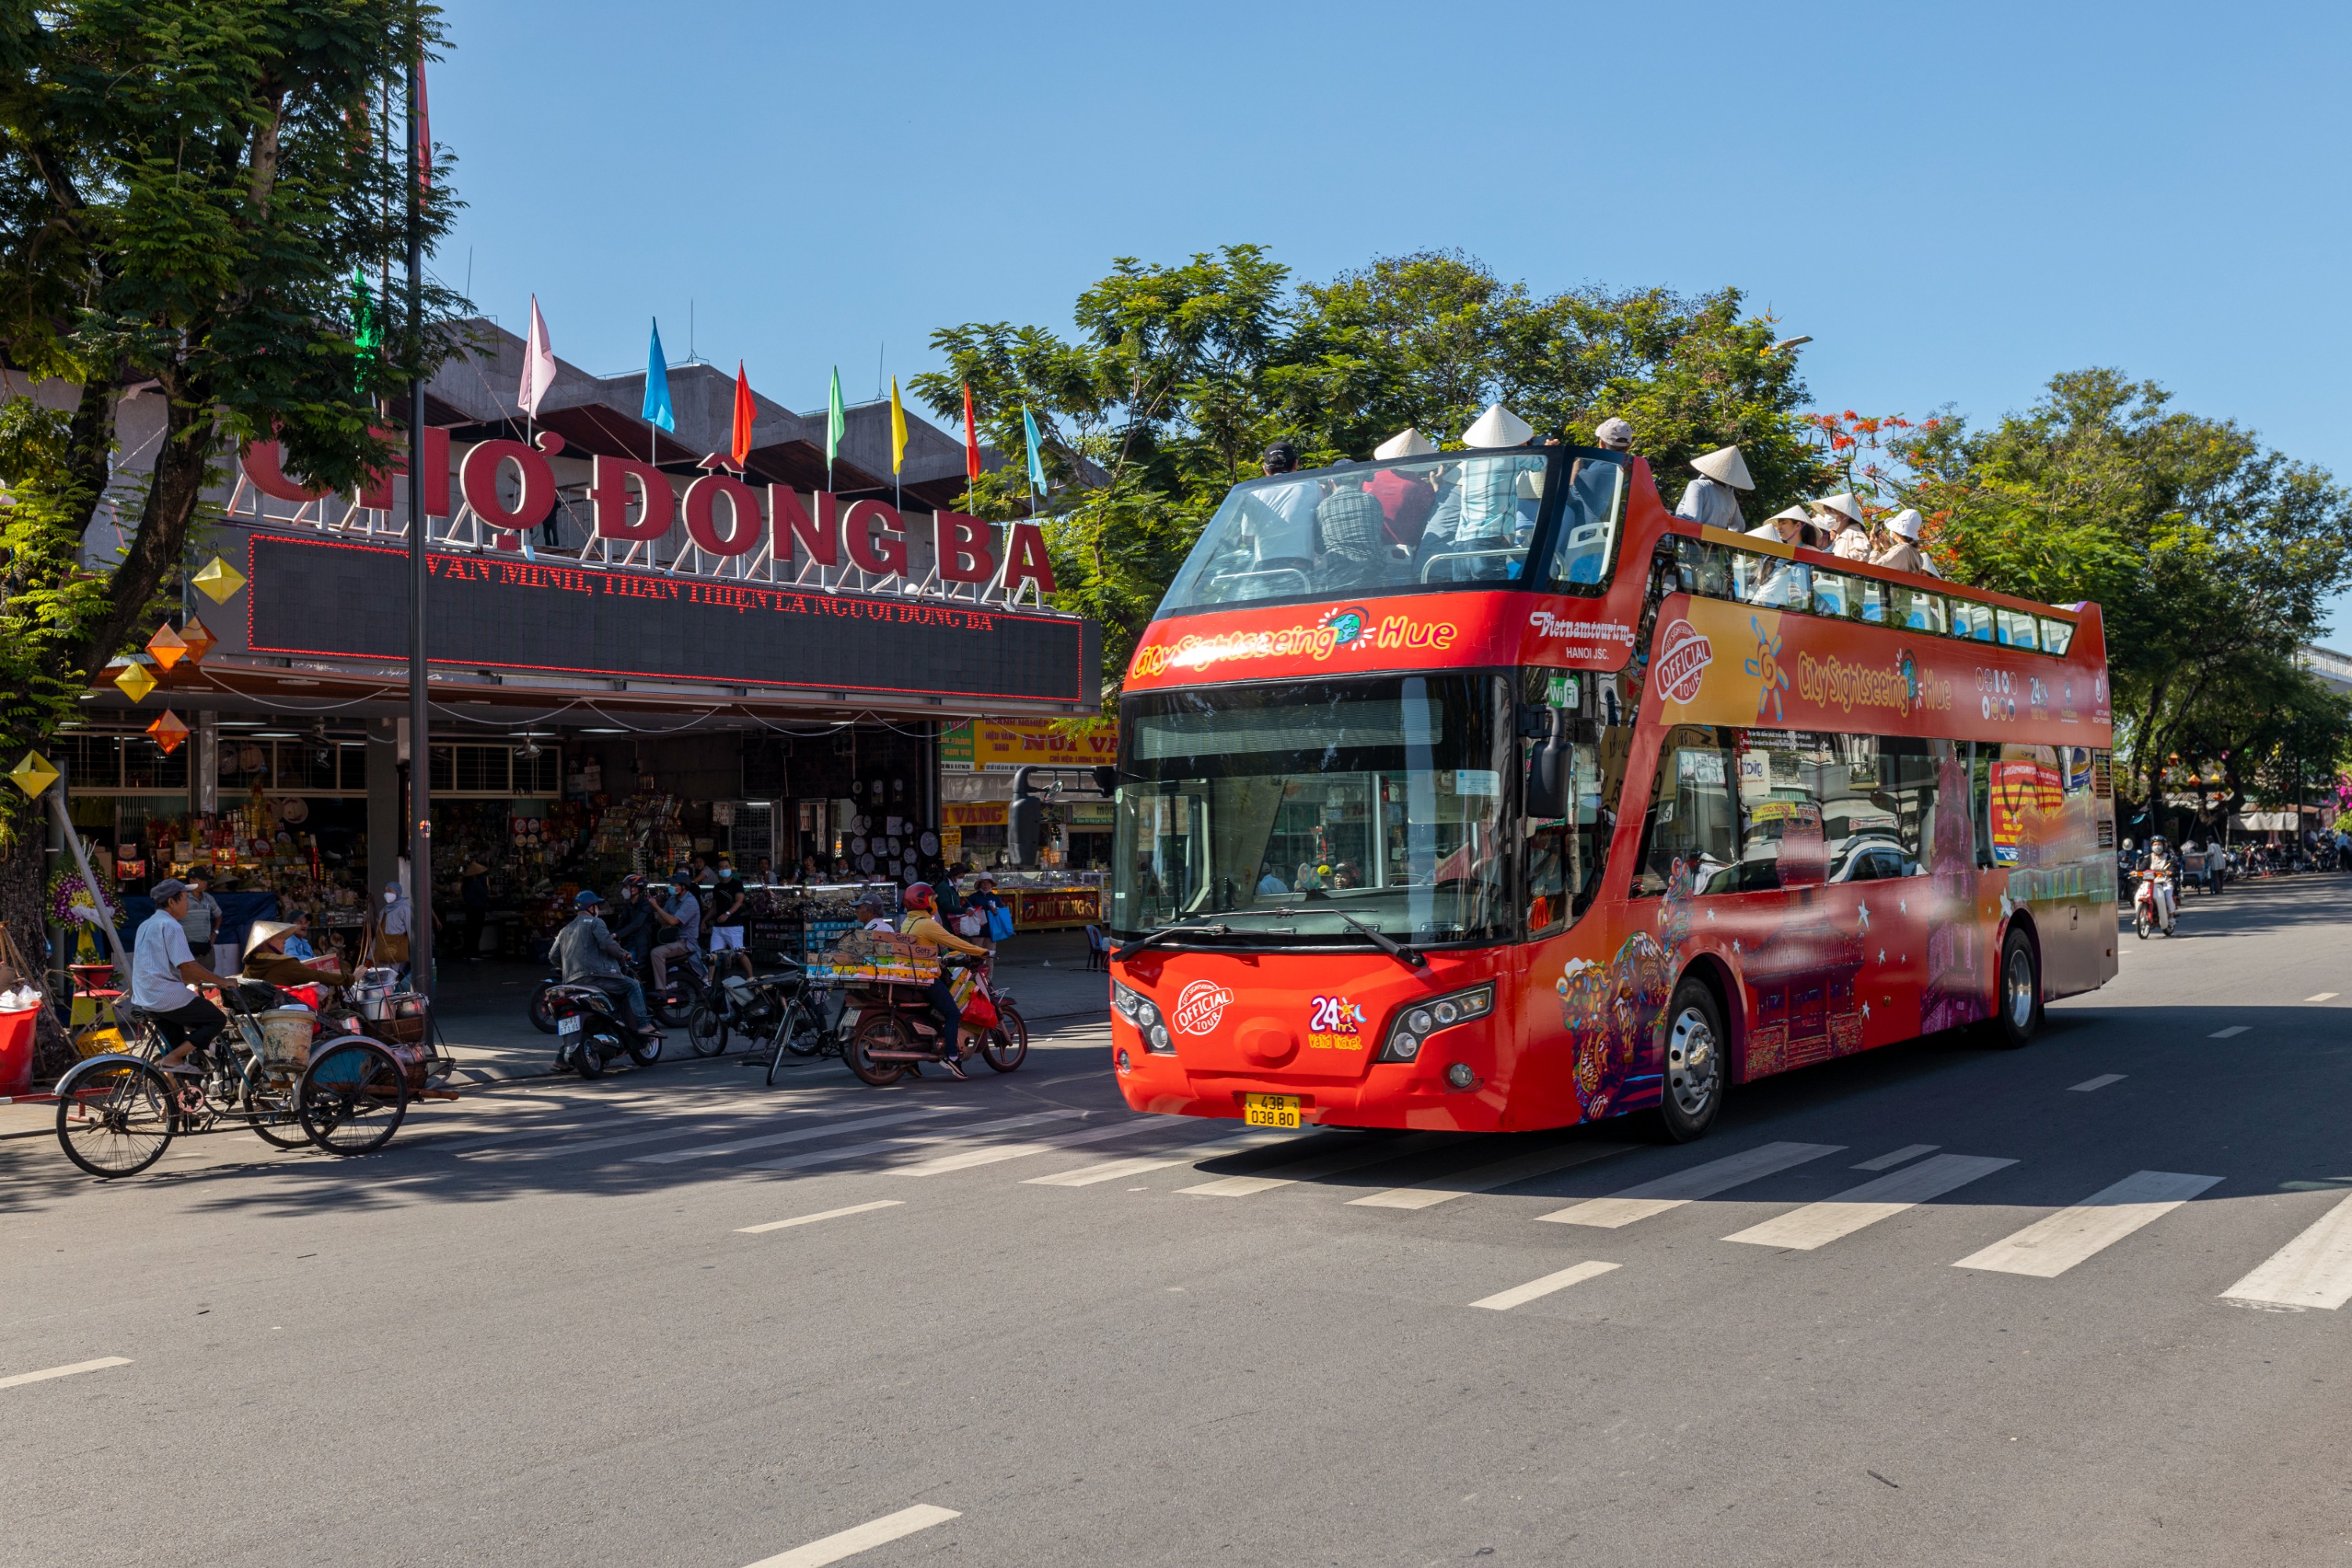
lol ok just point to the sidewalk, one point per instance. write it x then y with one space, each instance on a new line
482 1018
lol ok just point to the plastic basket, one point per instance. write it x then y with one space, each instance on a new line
286 1036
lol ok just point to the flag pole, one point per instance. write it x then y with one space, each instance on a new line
420 748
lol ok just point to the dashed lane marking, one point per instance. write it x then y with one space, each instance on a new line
2088 1084
1520 1295
2315 1269
1702 1181
45 1374
812 1218
797 1135
2050 1246
1818 1224
1889 1161
1487 1178
2233 1029
1190 1153
2323 997
864 1538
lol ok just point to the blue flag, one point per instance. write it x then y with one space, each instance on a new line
1036 461
656 409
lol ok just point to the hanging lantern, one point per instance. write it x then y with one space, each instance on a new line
167 645
135 682
199 639
168 731
34 775
218 579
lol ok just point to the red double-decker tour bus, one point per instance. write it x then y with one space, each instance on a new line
1474 790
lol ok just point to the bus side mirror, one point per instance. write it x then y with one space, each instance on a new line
1107 781
1552 777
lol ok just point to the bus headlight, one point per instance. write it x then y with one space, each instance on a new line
1144 1014
1416 1024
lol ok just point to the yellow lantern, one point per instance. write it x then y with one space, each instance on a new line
34 775
218 579
135 682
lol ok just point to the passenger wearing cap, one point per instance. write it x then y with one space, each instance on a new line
1711 499
1283 518
1613 433
1904 555
588 955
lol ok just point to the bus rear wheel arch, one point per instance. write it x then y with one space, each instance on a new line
1697 1061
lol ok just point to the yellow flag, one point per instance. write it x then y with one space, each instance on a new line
897 428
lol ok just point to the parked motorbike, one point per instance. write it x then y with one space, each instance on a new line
887 1030
690 987
592 1032
2143 906
754 1005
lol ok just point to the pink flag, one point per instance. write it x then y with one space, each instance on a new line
538 364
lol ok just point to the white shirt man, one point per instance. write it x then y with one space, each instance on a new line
165 976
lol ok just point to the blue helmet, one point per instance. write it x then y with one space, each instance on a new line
585 898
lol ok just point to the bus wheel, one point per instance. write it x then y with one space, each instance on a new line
1695 1062
2021 992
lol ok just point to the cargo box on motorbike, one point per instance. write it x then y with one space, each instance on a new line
877 956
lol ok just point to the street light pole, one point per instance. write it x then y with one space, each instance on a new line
420 750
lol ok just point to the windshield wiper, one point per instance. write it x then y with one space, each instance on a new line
1409 957
1184 927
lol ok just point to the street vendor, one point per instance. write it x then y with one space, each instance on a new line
922 923
265 959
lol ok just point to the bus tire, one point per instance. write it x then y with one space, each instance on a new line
2018 994
1696 1059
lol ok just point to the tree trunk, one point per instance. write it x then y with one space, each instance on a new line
23 898
182 461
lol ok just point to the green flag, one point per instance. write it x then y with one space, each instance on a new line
367 334
836 421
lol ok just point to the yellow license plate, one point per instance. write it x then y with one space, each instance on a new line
1270 1110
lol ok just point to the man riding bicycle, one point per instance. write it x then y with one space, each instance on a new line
165 976
922 923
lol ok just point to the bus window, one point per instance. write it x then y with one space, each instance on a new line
1833 595
2056 636
1692 817
1588 522
1706 568
1972 621
2016 628
1870 600
1770 583
1920 610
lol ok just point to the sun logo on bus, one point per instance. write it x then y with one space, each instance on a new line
1346 626
1772 677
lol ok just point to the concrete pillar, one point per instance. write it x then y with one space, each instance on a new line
383 805
204 765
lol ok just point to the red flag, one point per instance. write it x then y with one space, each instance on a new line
970 436
424 134
743 412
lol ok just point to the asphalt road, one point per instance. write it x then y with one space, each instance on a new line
567 1323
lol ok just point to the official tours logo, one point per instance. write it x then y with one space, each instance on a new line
1199 1007
1684 654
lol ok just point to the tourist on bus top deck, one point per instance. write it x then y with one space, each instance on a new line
1841 513
1709 500
1905 555
1614 434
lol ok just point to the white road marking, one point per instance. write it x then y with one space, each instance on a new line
2050 1246
798 1135
1000 1152
916 1141
2088 1084
500 1139
1520 1295
2233 1029
101 1363
812 1218
2315 1269
1889 1161
865 1538
2323 997
1191 1154
1818 1224
1487 1178
1687 1186
1313 1168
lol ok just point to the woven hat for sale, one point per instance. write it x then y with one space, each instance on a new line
1725 466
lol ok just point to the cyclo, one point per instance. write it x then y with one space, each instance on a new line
118 1112
887 1024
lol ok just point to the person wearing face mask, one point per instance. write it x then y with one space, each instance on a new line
393 925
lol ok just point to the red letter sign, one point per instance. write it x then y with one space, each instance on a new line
377 496
1025 560
478 482
884 552
963 541
743 519
261 462
608 488
821 539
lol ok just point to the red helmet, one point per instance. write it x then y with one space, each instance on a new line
919 896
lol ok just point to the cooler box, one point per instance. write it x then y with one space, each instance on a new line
16 1051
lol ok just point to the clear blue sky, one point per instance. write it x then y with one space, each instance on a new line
1956 201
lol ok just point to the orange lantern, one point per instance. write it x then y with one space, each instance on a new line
168 731
199 640
168 647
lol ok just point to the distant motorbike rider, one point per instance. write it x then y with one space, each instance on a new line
922 923
633 923
589 956
2164 872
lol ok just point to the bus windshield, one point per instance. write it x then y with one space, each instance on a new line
1277 810
1448 520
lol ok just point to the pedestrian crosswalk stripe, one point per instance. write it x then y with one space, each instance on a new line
1367 1151
45 1374
512 1135
1889 1161
864 1538
1818 1224
646 1135
812 1218
2225 1034
1191 1154
1520 1295
2051 1246
2315 1269
2088 1084
907 1144
796 1135
1000 1152
1702 1181
2323 997
1487 1178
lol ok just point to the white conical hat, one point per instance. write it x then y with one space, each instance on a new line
1843 504
1725 465
1790 514
1408 442
1499 426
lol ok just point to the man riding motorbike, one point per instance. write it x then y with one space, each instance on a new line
922 923
589 956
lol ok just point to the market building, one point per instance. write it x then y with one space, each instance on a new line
640 654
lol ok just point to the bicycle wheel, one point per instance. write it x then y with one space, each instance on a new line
1006 1047
115 1116
882 1032
706 1031
352 1098
268 1099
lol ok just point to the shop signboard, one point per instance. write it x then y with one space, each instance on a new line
963 813
1001 745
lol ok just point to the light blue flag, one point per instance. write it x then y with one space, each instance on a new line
656 410
1036 461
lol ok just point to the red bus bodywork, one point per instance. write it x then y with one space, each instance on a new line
1804 973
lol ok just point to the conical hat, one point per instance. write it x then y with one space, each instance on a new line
262 932
1725 465
1843 504
1408 442
1499 426
1790 514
